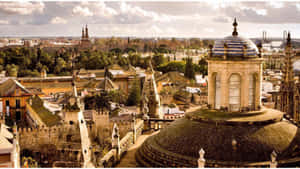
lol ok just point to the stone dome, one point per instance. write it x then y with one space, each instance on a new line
229 140
235 47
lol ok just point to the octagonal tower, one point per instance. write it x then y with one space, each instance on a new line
234 74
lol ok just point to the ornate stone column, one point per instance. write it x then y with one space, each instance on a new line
245 79
211 89
224 86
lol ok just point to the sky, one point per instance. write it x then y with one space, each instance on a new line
203 19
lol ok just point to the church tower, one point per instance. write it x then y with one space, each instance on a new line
85 42
82 35
86 32
287 83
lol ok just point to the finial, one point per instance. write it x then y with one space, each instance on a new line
201 153
201 160
235 24
273 156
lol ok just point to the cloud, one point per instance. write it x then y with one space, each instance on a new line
141 18
83 11
104 10
4 22
136 11
58 20
99 9
261 12
21 8
276 4
223 19
210 30
298 6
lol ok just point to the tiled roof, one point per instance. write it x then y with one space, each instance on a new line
174 77
8 87
107 84
235 45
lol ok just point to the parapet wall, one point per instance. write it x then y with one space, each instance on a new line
114 155
32 138
42 135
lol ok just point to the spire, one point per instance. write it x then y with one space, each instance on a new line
82 35
288 39
288 69
86 32
235 24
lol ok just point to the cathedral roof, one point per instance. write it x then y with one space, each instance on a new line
232 140
234 46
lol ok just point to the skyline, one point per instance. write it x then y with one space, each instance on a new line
202 19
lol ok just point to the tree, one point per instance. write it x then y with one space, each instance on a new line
203 65
116 51
60 65
128 50
158 59
189 69
102 101
134 59
172 66
117 96
12 70
135 94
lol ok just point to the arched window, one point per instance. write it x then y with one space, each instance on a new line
234 92
252 86
217 91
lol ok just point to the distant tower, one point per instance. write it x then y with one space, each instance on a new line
264 36
287 83
86 32
82 35
85 43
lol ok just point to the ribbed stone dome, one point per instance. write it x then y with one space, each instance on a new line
235 47
229 140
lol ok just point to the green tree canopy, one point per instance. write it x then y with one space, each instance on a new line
135 94
189 69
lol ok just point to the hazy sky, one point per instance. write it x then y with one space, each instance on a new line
145 19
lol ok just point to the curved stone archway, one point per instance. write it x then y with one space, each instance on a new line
234 99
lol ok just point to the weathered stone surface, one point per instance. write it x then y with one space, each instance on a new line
178 144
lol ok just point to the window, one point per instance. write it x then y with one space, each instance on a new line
217 91
7 107
18 104
69 138
234 92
